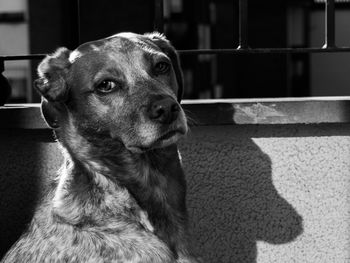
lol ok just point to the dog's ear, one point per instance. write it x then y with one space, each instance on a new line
52 85
165 45
52 72
51 112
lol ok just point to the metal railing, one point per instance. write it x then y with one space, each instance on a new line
242 47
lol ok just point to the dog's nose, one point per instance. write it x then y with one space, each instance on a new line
164 111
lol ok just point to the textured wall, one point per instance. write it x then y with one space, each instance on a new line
26 160
256 193
270 193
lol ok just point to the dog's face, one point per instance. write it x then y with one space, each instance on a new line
127 87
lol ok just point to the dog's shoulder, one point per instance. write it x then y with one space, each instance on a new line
62 243
96 236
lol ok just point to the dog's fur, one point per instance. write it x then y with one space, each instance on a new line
120 194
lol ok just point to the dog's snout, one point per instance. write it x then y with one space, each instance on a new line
164 111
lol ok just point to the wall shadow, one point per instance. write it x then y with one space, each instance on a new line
23 176
232 200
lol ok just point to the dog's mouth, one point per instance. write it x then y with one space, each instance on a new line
164 140
169 135
167 138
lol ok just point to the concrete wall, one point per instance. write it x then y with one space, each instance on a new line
256 193
268 180
270 193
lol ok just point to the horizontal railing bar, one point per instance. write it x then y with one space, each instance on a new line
277 111
23 57
262 51
218 51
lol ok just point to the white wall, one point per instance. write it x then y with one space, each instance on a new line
15 41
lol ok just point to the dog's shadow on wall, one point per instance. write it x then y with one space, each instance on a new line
232 200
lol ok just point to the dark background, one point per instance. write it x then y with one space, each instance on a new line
200 24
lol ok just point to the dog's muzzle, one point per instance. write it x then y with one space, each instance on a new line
164 111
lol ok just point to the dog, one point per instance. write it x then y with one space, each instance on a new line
114 106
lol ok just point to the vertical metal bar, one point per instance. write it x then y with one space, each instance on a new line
158 22
78 22
5 88
330 24
243 24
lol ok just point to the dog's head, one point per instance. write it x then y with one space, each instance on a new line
126 87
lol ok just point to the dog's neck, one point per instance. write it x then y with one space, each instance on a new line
152 181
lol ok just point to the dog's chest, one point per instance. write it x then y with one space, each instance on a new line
123 203
161 197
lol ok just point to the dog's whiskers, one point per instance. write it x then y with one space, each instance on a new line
191 121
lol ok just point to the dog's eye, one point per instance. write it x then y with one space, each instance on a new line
106 86
162 67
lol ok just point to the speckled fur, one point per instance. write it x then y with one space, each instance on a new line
116 198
